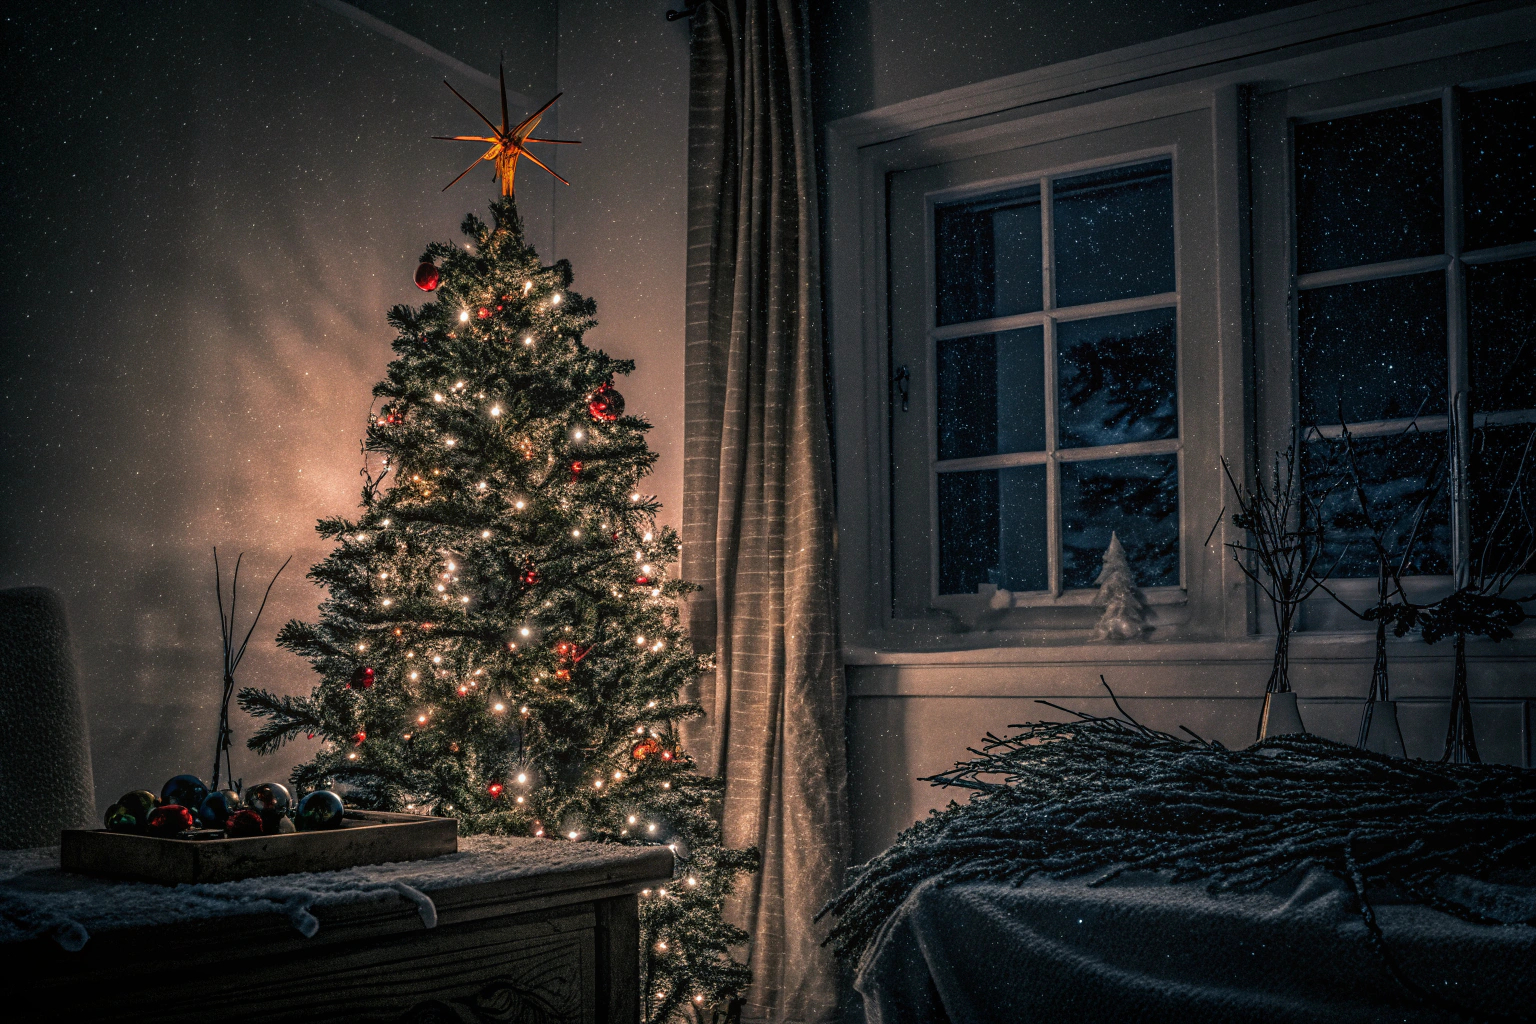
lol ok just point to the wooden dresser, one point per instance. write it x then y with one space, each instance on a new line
539 942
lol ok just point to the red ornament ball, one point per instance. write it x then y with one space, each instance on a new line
484 313
530 576
427 277
359 738
243 824
642 581
169 819
575 471
362 679
494 789
606 404
648 747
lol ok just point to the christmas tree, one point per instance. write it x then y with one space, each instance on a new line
501 642
1125 609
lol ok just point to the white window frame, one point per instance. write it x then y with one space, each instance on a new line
1046 318
1211 70
1275 114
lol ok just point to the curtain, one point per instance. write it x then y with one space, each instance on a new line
758 527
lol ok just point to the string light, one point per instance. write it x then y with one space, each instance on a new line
464 316
481 485
522 777
485 534
647 536
450 441
519 505
437 398
415 675
387 602
575 533
384 523
634 497
495 410
554 300
528 340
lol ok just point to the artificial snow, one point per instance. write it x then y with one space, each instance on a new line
39 899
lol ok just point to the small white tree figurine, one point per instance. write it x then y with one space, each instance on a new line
1125 609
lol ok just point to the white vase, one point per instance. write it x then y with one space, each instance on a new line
1382 736
1280 716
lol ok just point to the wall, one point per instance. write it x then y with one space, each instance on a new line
208 210
623 222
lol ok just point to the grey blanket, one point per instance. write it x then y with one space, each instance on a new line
1142 949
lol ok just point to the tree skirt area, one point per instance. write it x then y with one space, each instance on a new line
38 899
1105 871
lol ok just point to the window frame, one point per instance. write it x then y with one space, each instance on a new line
1217 71
1047 318
1278 285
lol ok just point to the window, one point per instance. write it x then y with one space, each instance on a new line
1043 324
1055 344
1415 311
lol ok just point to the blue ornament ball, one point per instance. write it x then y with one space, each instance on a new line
270 799
319 810
216 808
187 790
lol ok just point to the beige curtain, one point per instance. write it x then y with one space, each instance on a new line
758 527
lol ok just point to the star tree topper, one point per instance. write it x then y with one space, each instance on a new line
507 142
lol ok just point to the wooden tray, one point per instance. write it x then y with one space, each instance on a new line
365 837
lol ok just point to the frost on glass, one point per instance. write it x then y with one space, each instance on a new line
1373 349
1114 233
1116 377
1500 457
987 257
991 393
1399 475
1498 145
992 530
1369 188
1501 335
1136 498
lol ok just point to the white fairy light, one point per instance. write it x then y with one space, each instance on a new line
498 707
528 339
645 569
666 785
463 316
459 385
485 534
495 410
554 300
441 588
692 881
575 533
465 600
573 834
415 675
387 602
362 647
522 778
652 828
650 704
384 523
634 497
437 659
519 799
640 641
452 567
450 441
410 654
576 434
519 505
656 592
526 631
618 776
597 784
437 397
481 485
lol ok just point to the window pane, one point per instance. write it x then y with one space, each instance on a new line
987 259
1501 511
1114 234
1136 498
1117 378
1400 475
1498 144
992 530
1369 188
1501 303
1376 348
992 394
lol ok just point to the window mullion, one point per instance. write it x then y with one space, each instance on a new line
1457 359
1052 466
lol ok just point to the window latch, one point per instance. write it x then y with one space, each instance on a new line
902 379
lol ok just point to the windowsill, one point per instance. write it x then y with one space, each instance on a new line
1077 647
997 598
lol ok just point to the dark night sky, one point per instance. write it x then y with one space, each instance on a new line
207 212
